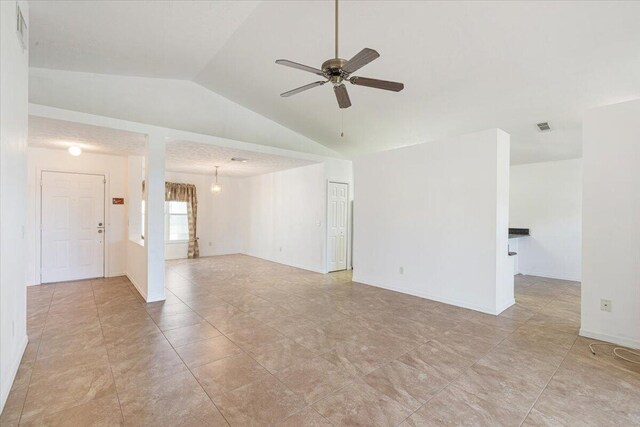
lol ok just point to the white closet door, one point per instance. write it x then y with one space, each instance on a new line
337 226
72 226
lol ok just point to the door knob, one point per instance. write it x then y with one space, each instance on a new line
99 224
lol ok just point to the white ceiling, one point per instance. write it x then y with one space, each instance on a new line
59 134
192 157
170 39
169 103
181 156
466 66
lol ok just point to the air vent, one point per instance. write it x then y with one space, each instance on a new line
239 159
544 127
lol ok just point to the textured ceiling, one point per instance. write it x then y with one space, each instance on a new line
51 133
186 156
466 66
181 156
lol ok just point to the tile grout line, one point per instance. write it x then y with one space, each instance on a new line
548 381
180 357
460 373
357 377
37 352
256 361
250 292
107 350
465 369
492 348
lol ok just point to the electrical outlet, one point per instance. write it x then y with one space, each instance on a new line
401 270
605 305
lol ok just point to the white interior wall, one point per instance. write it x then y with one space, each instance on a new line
219 226
136 255
279 216
610 223
115 170
431 220
285 217
223 219
14 68
547 199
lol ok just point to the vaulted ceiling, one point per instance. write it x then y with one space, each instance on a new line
466 66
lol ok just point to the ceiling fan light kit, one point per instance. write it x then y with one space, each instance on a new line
338 70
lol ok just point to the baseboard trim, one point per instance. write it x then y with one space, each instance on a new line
506 305
15 365
450 301
156 298
284 263
549 276
116 274
137 286
614 339
37 283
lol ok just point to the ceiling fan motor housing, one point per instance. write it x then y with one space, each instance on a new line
333 70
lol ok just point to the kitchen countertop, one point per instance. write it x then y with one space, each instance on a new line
516 233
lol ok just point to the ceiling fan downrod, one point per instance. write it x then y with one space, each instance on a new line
337 29
337 71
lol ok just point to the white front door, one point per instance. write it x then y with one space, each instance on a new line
337 226
72 224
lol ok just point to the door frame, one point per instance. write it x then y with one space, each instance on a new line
38 218
326 229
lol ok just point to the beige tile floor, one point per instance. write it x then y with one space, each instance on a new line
243 341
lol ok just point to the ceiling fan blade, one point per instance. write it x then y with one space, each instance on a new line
361 59
303 88
378 84
302 67
342 96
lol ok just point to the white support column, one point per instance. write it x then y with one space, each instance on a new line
154 216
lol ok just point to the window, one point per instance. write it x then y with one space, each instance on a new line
176 222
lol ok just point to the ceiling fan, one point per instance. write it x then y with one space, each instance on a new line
338 70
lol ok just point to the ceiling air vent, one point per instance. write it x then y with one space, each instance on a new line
544 127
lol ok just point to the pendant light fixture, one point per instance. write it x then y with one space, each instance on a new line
215 188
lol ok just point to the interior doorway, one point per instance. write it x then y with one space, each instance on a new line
72 225
337 226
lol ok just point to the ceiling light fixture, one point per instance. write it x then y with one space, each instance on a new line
74 150
215 187
239 159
